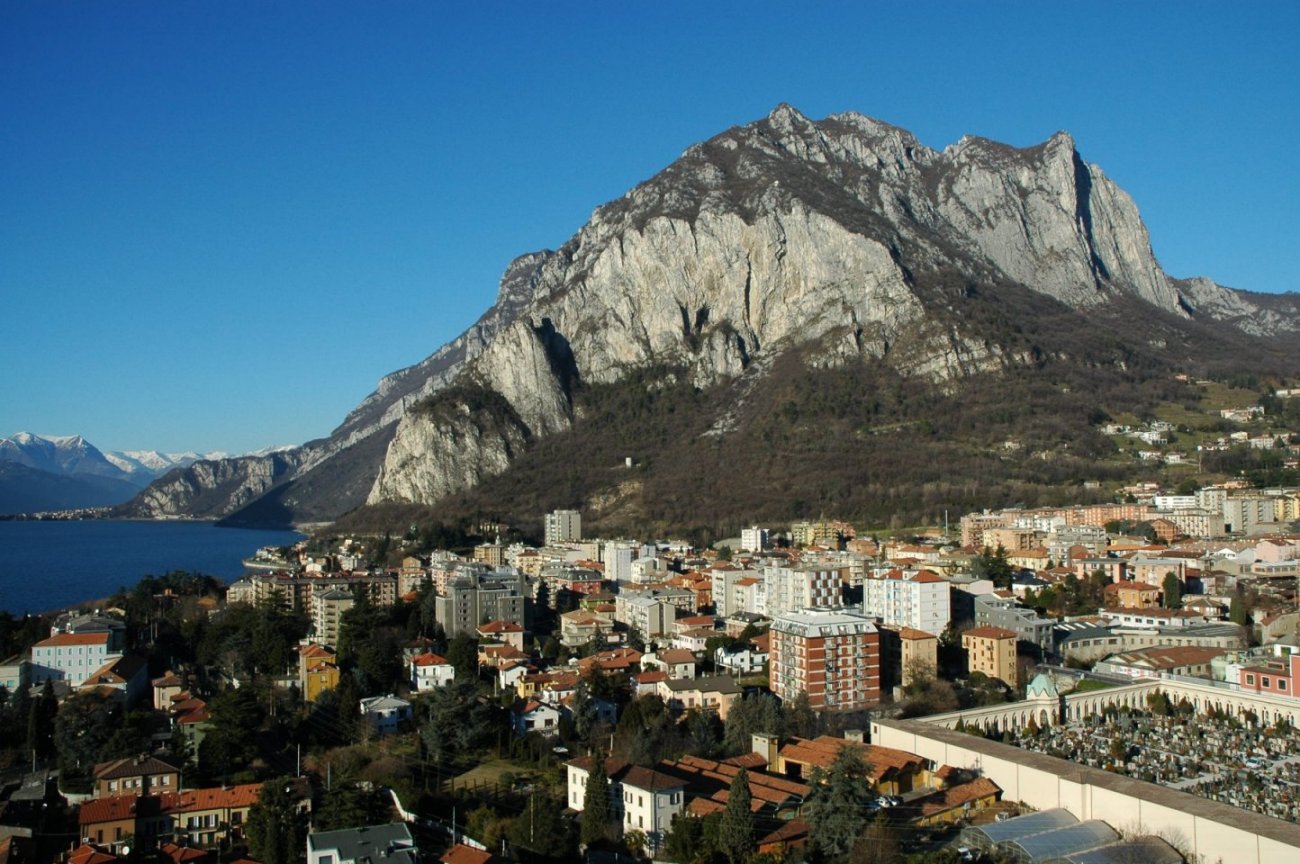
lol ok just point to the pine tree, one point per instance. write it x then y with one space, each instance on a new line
736 833
595 805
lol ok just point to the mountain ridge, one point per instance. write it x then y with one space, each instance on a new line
845 238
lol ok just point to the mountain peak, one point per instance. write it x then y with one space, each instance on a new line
839 242
786 116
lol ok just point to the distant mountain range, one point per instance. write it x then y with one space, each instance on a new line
62 472
796 316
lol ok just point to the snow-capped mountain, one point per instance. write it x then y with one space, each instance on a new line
53 472
154 463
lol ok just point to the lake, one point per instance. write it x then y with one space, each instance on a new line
49 565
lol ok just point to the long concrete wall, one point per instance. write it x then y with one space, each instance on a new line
1208 831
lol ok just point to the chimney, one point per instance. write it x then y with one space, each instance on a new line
766 746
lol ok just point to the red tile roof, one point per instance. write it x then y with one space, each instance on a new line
462 854
87 854
74 639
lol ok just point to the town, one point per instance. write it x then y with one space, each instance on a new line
1056 682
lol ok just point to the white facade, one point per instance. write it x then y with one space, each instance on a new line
563 526
71 657
920 600
385 713
1244 515
644 613
753 539
801 587
537 717
736 590
429 671
618 561
641 799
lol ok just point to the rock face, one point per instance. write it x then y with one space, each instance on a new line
843 238
208 487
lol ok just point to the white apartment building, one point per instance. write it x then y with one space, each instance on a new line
327 611
920 600
803 586
644 613
72 657
1197 523
641 799
734 589
753 539
618 558
1247 514
562 526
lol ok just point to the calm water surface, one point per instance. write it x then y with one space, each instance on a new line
48 565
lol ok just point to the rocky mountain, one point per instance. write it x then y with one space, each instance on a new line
784 248
66 471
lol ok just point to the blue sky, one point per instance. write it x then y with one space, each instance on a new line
221 223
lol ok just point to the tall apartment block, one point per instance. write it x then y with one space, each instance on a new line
832 655
563 526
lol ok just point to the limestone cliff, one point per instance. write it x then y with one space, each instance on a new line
846 239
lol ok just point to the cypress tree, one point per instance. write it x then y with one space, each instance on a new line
595 805
736 833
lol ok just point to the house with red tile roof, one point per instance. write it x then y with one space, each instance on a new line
429 672
535 716
890 771
506 632
956 802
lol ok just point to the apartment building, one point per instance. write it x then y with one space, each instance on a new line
645 613
327 613
831 654
72 657
993 610
802 586
479 596
992 651
641 799
920 600
562 526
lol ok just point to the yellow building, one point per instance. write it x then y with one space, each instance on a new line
919 651
317 671
991 651
1133 595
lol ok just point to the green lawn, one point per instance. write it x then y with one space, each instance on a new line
1090 684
